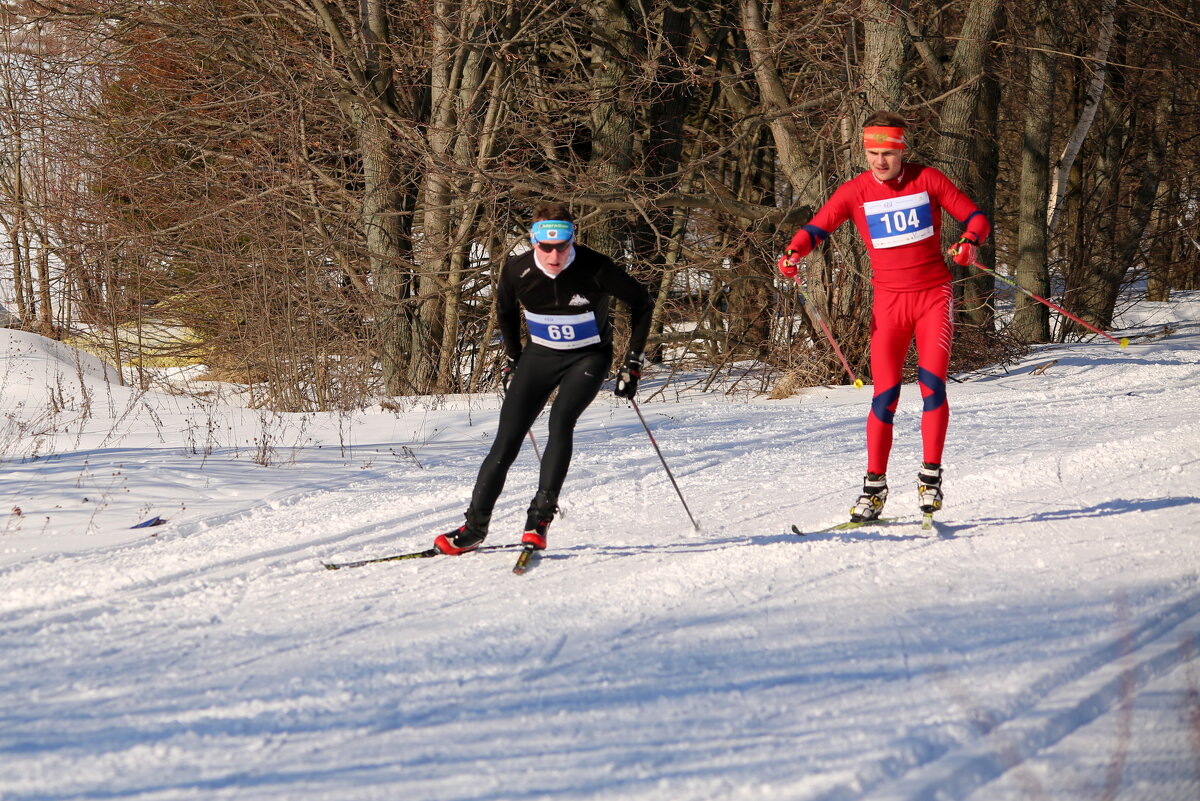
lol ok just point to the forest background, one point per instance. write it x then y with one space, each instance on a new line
307 196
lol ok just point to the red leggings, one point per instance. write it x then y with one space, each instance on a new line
895 319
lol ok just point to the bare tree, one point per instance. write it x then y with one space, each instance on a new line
1031 320
1106 20
958 131
321 191
886 46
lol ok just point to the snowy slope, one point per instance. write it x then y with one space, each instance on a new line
1042 645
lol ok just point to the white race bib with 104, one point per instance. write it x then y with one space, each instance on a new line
899 220
563 331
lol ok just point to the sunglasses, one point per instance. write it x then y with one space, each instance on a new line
547 247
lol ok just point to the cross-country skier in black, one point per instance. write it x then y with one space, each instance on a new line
565 289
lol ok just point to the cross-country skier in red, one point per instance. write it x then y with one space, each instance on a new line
897 207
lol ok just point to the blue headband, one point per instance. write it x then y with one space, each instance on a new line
546 230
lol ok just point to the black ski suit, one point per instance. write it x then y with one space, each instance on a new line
570 348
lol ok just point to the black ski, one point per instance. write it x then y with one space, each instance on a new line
426 554
527 560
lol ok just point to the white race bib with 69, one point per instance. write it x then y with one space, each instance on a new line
563 331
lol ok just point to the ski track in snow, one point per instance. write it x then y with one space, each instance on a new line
1041 644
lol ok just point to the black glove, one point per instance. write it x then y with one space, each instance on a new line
506 373
627 378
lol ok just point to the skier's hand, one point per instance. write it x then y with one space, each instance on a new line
789 263
964 251
627 377
506 373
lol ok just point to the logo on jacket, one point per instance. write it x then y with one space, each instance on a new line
578 300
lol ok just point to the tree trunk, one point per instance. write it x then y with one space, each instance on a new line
45 306
612 118
1031 319
16 233
388 249
656 233
794 157
1091 104
437 197
987 158
1160 255
957 135
773 95
885 54
474 147
385 252
671 257
1125 214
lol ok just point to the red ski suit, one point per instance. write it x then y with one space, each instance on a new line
900 222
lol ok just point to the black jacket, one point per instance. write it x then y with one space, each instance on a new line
586 285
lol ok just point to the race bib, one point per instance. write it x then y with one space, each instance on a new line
899 220
563 331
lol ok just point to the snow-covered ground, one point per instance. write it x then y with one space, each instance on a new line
1041 645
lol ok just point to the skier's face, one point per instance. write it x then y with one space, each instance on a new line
884 164
554 253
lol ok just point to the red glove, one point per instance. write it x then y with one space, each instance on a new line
789 263
964 251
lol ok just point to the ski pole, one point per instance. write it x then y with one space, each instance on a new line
695 525
828 334
536 452
1123 341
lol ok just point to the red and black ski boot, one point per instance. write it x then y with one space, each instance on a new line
466 537
537 521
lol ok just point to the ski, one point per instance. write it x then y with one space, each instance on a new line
527 560
927 524
426 554
847 526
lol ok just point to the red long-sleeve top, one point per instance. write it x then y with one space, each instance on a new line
900 221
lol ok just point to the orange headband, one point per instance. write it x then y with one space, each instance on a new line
879 137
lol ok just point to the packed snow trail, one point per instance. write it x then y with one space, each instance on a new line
1042 645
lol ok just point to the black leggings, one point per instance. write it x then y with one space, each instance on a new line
578 376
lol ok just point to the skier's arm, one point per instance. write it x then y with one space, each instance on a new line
508 313
823 223
975 223
622 286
